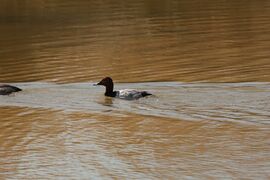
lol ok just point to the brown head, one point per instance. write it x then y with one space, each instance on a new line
108 83
105 81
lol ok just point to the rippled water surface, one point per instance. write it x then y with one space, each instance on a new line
206 62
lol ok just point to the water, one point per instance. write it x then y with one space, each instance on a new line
207 64
133 41
237 102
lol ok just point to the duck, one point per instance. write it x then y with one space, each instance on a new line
128 94
6 89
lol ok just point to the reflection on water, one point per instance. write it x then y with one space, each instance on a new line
188 130
67 41
56 130
246 103
36 143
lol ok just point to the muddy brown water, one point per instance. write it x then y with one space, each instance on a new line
207 63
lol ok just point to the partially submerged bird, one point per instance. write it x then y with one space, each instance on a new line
6 89
128 94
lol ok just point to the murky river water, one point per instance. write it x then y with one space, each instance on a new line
207 63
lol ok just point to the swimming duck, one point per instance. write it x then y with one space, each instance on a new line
6 89
128 94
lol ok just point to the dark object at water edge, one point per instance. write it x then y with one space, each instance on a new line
8 89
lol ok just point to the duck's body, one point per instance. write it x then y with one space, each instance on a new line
129 94
6 89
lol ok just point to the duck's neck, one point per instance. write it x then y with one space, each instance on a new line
109 90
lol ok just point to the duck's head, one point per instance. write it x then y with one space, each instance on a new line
107 81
